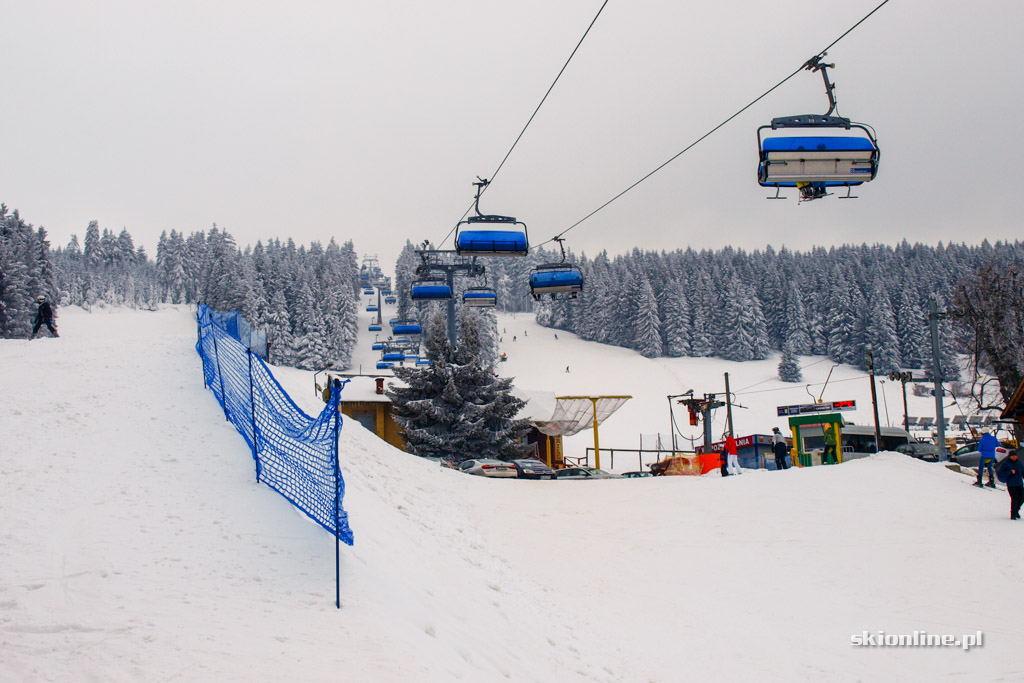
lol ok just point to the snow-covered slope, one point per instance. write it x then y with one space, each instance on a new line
136 545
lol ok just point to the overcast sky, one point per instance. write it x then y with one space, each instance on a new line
370 120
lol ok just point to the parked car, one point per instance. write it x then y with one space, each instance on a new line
585 473
637 475
533 469
921 450
487 467
968 455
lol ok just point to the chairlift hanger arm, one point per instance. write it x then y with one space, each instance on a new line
815 64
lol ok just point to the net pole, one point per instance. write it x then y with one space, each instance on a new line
337 479
199 342
216 356
252 415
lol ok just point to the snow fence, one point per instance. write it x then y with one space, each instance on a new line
296 455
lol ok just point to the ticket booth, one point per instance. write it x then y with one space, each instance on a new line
809 437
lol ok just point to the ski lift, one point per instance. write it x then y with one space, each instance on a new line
810 158
375 327
556 278
490 235
484 297
378 346
407 328
424 361
381 365
431 289
390 300
368 292
393 356
372 308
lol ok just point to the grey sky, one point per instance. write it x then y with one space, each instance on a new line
370 120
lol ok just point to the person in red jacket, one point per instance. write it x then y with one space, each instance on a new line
732 456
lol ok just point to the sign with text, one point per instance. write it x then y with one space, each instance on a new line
808 408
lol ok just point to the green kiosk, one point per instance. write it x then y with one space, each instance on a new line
831 425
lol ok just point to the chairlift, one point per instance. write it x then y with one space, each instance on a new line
381 365
809 157
490 235
407 328
368 292
431 289
375 327
393 356
390 300
424 361
483 297
372 308
377 346
556 278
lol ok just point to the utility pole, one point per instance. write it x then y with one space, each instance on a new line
728 406
874 397
940 418
903 377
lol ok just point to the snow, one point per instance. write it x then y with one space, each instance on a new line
135 543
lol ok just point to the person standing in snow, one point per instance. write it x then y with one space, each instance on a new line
1012 472
829 456
732 456
780 448
44 316
987 450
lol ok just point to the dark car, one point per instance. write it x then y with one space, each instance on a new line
928 452
533 469
637 475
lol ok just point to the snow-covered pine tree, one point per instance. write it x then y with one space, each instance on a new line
675 320
796 322
457 408
646 321
789 369
881 331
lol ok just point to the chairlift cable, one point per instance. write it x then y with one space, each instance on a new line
523 131
716 128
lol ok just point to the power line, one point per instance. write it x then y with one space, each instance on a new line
519 137
715 129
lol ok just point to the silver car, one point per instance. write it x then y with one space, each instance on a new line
585 473
488 467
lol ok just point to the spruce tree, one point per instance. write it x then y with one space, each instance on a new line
789 370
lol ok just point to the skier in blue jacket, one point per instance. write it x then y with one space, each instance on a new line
1011 471
987 448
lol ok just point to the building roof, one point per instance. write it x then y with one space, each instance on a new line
1015 406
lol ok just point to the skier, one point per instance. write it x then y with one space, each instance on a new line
1012 472
566 369
513 337
987 450
732 457
44 316
779 446
556 336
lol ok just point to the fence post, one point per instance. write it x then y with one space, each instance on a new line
252 414
216 355
335 394
199 343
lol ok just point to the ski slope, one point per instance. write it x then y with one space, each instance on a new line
136 545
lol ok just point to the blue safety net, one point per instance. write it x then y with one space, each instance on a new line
239 328
296 455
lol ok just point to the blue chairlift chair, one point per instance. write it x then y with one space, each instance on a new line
483 297
490 235
556 278
814 152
